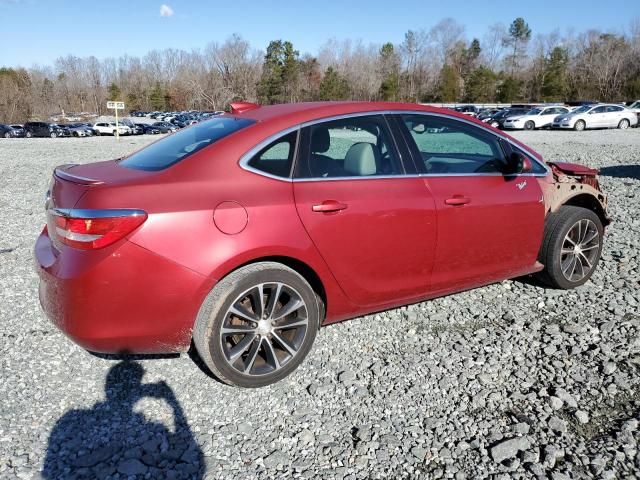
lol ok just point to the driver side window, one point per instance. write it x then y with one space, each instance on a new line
453 147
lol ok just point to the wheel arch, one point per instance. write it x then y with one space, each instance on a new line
303 268
588 201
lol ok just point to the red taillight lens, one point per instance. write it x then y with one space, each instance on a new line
92 229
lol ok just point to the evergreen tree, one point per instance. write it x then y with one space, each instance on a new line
157 98
279 73
389 66
333 86
555 86
113 92
509 90
481 85
519 36
449 84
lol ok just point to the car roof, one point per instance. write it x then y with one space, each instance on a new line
316 110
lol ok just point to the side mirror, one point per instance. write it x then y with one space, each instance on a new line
519 163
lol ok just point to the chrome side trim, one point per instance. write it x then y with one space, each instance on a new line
98 213
244 159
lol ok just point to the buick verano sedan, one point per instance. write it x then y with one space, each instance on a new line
243 234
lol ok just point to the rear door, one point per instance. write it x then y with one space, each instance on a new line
613 115
490 225
365 210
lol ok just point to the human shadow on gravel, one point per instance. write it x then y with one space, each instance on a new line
621 171
111 437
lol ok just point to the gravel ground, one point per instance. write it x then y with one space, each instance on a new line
507 381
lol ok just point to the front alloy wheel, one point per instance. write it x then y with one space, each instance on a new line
257 324
571 247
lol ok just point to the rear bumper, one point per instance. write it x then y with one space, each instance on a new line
119 299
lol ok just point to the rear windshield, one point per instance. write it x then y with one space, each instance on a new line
180 145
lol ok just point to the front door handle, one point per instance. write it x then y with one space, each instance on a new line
457 200
329 206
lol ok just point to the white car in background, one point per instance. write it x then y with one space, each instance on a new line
109 128
635 108
539 117
602 115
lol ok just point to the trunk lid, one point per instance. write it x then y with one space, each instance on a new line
71 181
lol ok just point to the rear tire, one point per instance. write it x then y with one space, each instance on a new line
529 125
253 354
624 124
580 126
571 247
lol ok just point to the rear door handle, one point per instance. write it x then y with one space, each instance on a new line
457 200
329 206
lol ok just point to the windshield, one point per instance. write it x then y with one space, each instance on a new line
635 105
534 111
583 109
176 147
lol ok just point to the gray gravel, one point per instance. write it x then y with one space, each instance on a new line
507 381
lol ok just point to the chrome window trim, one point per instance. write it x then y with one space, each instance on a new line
97 213
245 158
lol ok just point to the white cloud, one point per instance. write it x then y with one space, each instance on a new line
166 11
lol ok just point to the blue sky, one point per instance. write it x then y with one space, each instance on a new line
36 32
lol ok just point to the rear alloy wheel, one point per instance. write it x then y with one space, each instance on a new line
257 325
624 124
571 247
580 125
529 125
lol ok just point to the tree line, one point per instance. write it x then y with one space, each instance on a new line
508 64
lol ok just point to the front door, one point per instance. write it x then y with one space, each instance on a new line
490 225
372 223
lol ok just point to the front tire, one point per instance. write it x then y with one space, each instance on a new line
529 125
580 126
7 135
571 247
53 135
257 325
624 124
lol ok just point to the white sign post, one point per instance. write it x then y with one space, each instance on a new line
116 106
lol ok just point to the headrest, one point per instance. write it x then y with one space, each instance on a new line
320 140
361 159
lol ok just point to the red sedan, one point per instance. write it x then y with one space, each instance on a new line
247 232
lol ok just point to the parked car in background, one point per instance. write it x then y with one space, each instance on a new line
497 120
165 127
44 129
7 131
536 118
19 129
311 213
470 110
134 129
597 116
487 113
635 108
79 130
148 129
109 128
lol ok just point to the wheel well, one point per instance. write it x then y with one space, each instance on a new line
590 202
303 269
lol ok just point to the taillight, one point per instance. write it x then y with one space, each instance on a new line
92 229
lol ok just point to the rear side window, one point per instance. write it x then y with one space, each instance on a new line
180 145
277 157
453 147
359 146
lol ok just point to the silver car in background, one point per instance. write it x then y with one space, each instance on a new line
602 115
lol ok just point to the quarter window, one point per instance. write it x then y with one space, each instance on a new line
452 147
350 147
277 157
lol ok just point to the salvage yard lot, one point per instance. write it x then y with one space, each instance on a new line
426 391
